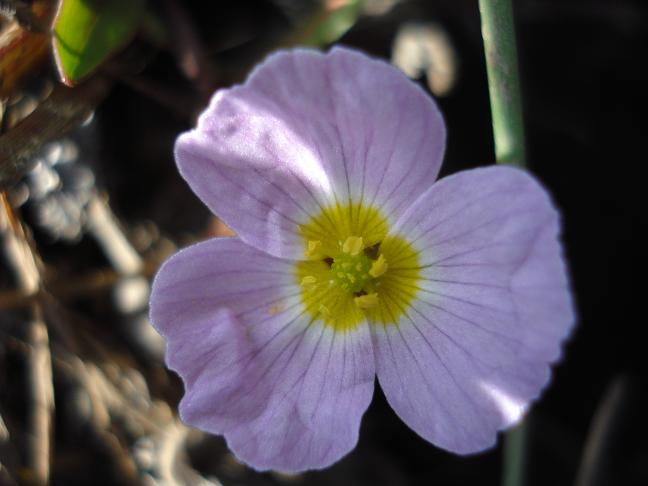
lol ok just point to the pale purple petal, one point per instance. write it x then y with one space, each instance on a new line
287 392
218 273
316 388
392 133
308 130
197 300
492 309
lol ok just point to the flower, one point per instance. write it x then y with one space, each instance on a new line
351 263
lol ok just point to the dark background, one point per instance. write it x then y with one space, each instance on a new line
584 76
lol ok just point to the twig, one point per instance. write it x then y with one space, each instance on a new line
188 48
113 406
28 17
127 264
102 398
132 291
104 227
601 438
63 110
39 371
74 287
8 455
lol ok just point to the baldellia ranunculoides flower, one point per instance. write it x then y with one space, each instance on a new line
351 262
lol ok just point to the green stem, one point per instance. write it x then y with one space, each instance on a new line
500 49
513 468
503 81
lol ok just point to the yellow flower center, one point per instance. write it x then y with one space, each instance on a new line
354 269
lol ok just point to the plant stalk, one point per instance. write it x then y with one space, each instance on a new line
500 49
498 33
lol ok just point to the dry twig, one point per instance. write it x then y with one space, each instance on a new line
39 374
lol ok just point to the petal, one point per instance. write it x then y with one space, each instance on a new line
315 387
287 392
197 297
392 133
306 131
491 310
196 282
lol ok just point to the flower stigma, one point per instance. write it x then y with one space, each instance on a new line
350 269
354 269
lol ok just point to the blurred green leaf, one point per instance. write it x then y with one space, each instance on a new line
332 22
87 32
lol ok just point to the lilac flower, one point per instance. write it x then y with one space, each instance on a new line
351 263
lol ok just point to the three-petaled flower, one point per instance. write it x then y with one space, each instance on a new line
351 263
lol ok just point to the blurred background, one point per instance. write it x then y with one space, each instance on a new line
92 203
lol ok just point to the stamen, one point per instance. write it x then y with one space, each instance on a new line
353 245
324 311
367 301
313 247
379 267
309 282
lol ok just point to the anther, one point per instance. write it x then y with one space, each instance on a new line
378 267
353 245
367 301
309 282
324 311
313 247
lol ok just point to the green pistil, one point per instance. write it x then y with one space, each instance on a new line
351 272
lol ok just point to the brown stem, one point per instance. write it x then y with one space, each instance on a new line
70 288
39 370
